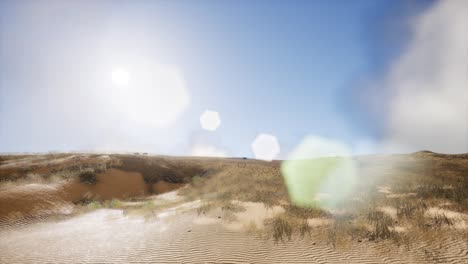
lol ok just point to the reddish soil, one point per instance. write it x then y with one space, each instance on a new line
31 200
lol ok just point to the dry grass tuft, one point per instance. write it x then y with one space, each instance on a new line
381 226
281 229
304 228
305 213
407 208
441 220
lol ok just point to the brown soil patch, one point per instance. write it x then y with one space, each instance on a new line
32 200
112 184
119 184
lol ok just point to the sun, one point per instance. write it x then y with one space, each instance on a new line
148 94
120 77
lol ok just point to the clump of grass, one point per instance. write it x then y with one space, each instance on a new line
197 181
148 205
88 176
408 208
281 228
114 203
100 168
94 205
333 234
343 229
304 228
440 220
381 224
306 212
148 209
97 204
204 208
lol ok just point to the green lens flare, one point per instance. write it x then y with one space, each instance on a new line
320 182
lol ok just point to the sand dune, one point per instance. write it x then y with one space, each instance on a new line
107 236
136 211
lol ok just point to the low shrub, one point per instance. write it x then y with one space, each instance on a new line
88 177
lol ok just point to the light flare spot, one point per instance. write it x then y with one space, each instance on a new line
210 120
156 97
266 147
120 77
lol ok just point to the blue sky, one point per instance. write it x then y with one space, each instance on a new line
286 68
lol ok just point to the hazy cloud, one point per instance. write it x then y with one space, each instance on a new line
204 150
429 83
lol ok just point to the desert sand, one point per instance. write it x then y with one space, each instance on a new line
90 208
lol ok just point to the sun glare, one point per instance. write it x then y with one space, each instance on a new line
156 97
120 77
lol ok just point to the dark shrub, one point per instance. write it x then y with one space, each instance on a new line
88 177
155 169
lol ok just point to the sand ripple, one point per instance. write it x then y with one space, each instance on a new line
108 236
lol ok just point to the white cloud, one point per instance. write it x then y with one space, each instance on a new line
429 83
203 150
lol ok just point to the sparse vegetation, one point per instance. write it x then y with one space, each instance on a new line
97 204
441 220
406 208
94 205
114 203
304 228
255 182
281 229
204 208
381 226
305 213
156 169
416 182
88 176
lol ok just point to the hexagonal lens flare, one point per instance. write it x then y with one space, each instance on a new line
265 147
210 120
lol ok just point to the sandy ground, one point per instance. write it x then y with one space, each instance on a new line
41 222
109 236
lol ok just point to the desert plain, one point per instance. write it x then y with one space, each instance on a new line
140 208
